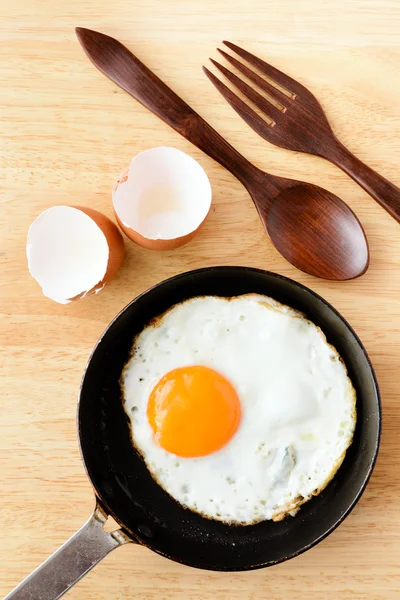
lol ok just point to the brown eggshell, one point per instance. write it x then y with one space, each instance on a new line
116 248
149 243
171 244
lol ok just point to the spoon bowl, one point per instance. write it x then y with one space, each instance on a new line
316 231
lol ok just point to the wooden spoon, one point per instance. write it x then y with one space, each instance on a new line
311 227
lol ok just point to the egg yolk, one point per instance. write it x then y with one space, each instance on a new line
193 411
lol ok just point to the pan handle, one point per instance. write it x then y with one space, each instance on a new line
72 561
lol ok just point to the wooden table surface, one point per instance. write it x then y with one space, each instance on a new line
66 133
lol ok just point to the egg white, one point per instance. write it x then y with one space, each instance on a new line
297 402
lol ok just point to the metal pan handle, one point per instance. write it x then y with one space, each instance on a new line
72 561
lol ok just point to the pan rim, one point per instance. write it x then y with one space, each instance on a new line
377 441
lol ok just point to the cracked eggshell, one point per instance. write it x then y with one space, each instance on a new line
73 251
162 199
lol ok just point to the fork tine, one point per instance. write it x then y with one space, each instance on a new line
243 110
291 85
276 94
270 110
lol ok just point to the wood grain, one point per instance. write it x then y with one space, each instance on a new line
66 133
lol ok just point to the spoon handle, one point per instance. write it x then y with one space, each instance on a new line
122 67
384 192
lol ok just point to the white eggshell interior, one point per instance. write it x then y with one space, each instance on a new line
166 195
67 253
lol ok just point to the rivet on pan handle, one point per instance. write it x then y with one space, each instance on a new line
72 561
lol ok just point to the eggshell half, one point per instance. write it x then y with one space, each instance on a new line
73 251
162 199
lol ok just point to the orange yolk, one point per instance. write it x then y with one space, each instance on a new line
193 411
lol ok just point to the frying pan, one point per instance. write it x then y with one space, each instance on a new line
146 514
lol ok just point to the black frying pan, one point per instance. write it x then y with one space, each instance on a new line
147 514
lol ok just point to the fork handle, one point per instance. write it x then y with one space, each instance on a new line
121 66
384 192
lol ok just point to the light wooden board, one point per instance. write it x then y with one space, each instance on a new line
65 134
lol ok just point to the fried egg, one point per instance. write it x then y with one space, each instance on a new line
240 408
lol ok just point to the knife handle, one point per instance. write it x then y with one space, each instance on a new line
121 66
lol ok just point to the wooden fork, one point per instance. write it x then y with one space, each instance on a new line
296 121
